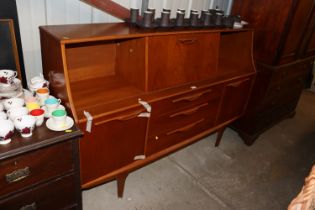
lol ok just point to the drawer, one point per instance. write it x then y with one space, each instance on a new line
174 135
185 101
38 166
58 194
179 118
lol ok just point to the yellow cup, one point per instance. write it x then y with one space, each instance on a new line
32 105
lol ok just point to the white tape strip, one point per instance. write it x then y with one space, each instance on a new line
144 114
146 105
89 121
139 157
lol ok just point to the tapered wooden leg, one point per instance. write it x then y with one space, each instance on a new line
219 136
121 178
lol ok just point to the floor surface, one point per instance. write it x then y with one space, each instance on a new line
264 176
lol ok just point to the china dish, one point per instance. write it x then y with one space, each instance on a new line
52 126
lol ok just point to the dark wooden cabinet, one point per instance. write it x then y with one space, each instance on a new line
284 55
41 172
148 92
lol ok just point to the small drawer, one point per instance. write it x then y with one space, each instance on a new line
185 101
156 143
180 118
58 194
34 167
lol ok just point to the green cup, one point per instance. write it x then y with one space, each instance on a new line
59 117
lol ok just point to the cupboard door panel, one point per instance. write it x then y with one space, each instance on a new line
113 143
182 58
234 99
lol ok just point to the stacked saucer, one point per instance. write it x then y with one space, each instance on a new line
12 89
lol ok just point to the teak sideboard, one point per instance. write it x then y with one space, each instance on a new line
147 92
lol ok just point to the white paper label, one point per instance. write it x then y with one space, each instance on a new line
88 122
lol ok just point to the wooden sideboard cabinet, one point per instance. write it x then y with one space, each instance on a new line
284 53
41 172
147 92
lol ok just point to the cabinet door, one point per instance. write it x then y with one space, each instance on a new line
234 99
113 143
182 58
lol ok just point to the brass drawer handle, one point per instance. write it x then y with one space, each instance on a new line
237 84
185 128
189 111
18 175
193 97
126 117
188 41
29 207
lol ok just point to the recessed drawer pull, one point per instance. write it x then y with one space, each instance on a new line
193 97
189 111
188 41
29 207
121 118
185 128
18 175
236 84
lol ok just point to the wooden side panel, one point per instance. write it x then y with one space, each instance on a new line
130 61
92 60
53 69
297 31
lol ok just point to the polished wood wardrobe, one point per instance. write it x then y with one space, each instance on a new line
284 52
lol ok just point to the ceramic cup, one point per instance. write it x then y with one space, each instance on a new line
6 131
42 94
25 125
1 107
32 105
7 76
3 116
30 99
39 115
59 117
12 103
52 104
16 112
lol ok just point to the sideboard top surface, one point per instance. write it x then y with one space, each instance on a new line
73 33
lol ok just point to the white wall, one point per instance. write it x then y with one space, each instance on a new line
34 13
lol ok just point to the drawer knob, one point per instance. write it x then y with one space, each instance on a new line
29 207
18 175
156 138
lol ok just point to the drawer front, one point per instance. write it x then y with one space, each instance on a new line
58 194
114 142
185 101
38 166
183 58
180 118
182 127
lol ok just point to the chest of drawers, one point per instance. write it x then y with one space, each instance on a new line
40 172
